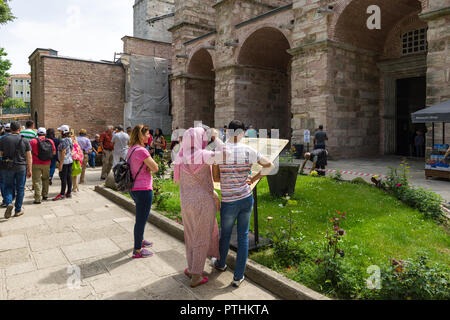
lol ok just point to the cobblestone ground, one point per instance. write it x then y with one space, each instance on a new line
94 234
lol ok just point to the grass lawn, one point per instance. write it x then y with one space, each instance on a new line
378 227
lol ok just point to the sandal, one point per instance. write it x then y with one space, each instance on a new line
186 272
205 280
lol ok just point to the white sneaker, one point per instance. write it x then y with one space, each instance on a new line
214 262
237 283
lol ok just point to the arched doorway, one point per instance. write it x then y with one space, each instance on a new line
200 89
263 82
380 78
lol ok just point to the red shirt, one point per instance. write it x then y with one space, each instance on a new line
35 150
106 139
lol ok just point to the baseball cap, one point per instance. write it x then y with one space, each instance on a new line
8 126
64 129
42 131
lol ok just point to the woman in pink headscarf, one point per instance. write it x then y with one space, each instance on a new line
198 200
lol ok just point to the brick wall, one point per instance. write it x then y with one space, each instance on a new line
143 47
78 93
262 99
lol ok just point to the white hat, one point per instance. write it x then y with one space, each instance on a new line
41 131
64 129
8 126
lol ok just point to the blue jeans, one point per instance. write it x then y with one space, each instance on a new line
14 182
230 212
92 159
143 201
52 168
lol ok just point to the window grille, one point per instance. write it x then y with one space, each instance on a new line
414 41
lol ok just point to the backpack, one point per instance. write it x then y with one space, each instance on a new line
45 150
122 174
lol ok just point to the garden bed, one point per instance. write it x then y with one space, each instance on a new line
379 229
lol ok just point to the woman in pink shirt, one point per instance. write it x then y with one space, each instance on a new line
142 165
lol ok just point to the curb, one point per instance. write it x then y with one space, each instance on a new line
268 279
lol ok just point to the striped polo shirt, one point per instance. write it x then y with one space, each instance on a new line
235 170
28 134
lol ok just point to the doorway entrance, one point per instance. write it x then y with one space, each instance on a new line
411 97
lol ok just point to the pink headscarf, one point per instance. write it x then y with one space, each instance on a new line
192 152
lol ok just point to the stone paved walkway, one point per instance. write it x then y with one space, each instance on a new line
96 235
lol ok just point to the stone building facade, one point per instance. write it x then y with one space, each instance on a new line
152 19
296 64
92 94
80 93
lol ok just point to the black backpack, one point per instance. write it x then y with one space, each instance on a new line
45 150
122 175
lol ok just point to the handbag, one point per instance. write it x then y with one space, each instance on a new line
76 168
214 193
216 173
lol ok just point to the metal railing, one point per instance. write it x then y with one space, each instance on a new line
14 110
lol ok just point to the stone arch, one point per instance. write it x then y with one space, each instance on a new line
248 32
349 15
201 63
383 86
199 89
262 42
263 83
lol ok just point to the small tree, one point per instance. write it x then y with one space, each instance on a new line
13 103
5 64
5 12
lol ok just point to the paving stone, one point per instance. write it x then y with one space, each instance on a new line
36 283
62 211
20 223
114 283
50 258
168 289
54 240
105 214
66 222
91 269
49 216
131 293
105 232
13 242
166 263
124 241
83 293
20 268
13 257
89 249
124 219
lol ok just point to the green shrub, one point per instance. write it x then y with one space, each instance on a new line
414 279
359 180
427 202
13 103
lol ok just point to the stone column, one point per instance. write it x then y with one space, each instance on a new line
438 62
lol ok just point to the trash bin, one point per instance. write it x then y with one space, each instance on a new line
298 151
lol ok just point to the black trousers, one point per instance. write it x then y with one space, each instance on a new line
66 178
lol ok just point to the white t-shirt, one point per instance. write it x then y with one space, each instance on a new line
120 141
